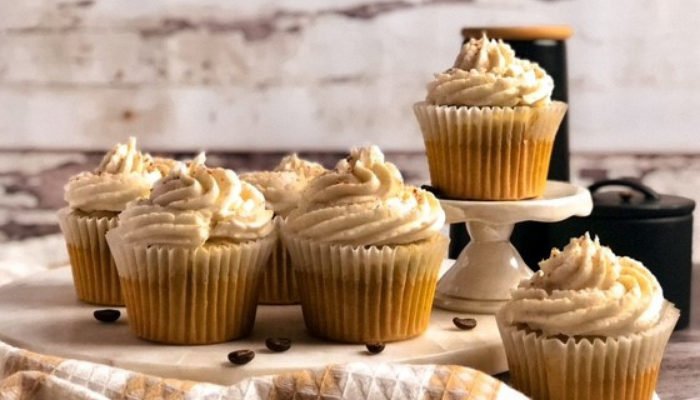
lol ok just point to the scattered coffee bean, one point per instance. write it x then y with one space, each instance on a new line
464 323
107 315
375 348
240 357
278 344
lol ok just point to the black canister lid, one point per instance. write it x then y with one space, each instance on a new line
635 200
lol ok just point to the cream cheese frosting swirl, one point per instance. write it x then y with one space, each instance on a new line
364 202
282 187
124 174
487 73
305 168
194 204
586 290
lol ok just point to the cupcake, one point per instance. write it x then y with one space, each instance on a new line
366 251
94 201
588 325
282 189
489 124
190 257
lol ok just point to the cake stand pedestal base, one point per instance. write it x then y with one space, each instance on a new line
489 266
486 270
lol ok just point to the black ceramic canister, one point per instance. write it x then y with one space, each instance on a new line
635 221
545 45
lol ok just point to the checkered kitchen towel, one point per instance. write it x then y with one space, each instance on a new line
28 375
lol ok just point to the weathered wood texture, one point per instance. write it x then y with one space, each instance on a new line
322 74
31 182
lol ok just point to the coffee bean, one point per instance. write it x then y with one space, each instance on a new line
240 357
107 315
375 348
464 323
278 344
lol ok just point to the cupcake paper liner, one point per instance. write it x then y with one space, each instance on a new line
489 153
366 294
180 295
583 368
279 284
92 265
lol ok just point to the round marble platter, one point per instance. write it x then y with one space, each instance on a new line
41 314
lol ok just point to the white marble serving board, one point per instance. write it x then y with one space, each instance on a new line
41 313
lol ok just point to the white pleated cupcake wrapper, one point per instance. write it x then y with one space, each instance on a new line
180 295
92 265
366 294
615 368
279 284
489 153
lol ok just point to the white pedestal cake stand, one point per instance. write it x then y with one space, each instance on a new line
489 266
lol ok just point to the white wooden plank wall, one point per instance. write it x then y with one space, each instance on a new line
323 74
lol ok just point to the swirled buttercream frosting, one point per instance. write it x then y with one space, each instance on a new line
365 202
586 290
124 175
282 187
305 168
194 204
487 73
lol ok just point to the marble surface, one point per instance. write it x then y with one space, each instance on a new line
40 313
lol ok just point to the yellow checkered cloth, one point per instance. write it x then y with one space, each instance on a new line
28 375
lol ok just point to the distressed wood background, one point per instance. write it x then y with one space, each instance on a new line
321 74
250 80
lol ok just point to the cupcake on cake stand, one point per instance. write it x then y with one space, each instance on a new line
489 266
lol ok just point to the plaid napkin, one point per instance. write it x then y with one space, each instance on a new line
28 375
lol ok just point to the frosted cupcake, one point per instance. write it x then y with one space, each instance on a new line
588 325
191 256
282 189
489 125
366 251
94 201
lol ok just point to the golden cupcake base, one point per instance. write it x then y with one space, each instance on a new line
279 285
178 295
587 368
366 294
489 153
95 275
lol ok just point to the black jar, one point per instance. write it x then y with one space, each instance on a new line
637 222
